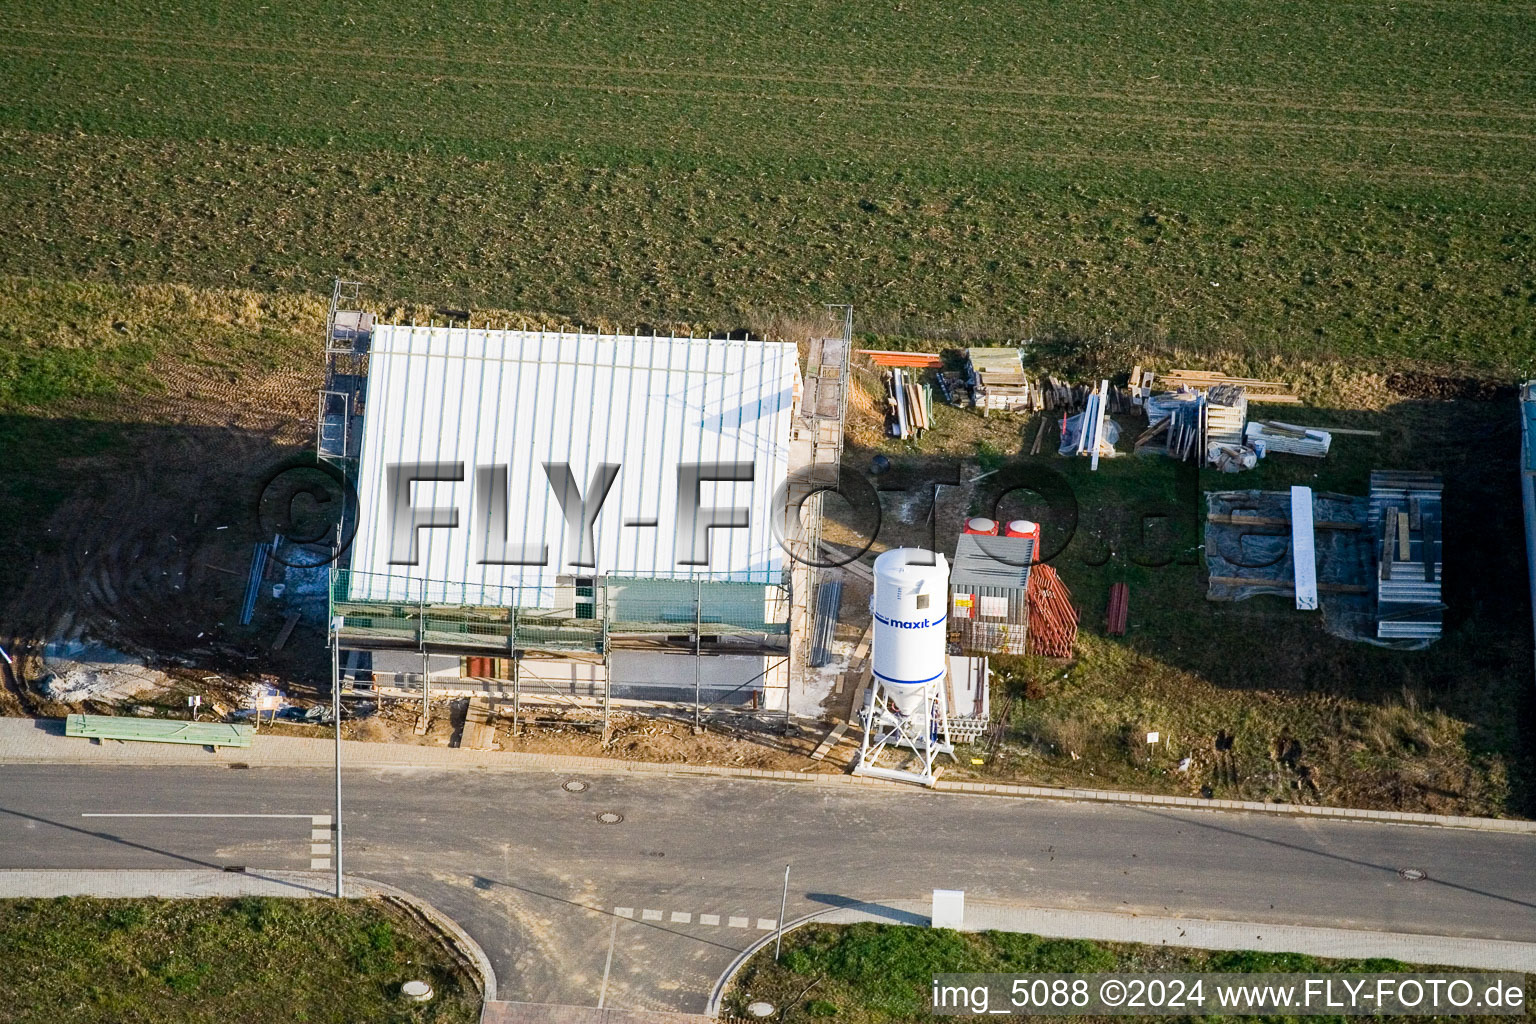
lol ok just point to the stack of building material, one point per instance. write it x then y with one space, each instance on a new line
1176 425
1095 436
1226 409
1405 513
909 405
997 380
917 360
1202 380
954 389
829 599
1286 437
1052 619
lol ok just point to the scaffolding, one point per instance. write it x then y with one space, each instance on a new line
577 622
348 336
817 438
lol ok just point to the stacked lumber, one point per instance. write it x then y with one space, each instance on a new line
1052 619
909 405
997 380
1203 380
1289 438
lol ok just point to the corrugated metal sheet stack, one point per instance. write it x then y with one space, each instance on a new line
1405 513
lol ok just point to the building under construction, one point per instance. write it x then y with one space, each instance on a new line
583 521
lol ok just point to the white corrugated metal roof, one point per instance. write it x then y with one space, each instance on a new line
524 398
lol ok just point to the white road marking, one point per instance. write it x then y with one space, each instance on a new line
650 915
681 917
602 993
709 919
319 863
115 815
320 835
320 820
319 849
628 912
739 922
766 925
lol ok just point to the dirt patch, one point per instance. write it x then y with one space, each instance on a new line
631 737
1416 384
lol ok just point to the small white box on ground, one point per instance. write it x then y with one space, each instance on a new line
948 908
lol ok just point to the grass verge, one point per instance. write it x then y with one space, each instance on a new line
251 959
881 974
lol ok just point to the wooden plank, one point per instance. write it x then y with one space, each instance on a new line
1322 588
1304 549
1402 536
1040 435
287 631
1322 524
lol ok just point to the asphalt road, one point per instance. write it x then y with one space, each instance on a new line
529 869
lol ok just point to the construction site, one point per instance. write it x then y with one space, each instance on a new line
665 547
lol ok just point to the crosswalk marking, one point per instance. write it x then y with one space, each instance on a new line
319 863
765 924
320 835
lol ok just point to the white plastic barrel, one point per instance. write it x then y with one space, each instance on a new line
907 647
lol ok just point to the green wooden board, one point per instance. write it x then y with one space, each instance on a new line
157 730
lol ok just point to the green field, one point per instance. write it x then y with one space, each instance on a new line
1234 176
881 974
252 960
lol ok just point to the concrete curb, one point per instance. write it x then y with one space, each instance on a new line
1190 933
27 741
143 883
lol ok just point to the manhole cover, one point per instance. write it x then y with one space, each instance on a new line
1413 874
760 1009
574 786
610 817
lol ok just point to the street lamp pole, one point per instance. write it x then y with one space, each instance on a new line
336 723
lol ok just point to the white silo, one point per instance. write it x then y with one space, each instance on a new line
906 705
907 649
